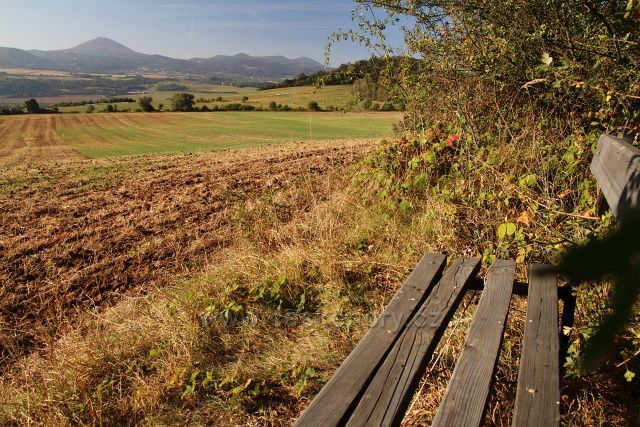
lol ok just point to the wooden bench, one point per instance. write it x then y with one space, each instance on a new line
377 381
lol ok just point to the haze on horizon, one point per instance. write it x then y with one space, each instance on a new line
193 28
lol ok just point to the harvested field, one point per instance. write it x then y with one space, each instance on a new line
125 134
30 139
77 234
25 140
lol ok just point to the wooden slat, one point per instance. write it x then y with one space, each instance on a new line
391 390
616 166
538 393
468 391
338 397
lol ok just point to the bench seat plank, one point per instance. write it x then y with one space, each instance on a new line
538 393
465 400
616 166
337 398
392 388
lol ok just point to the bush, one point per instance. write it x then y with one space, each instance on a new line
387 106
10 111
32 107
273 106
313 106
233 107
146 104
90 108
182 102
499 86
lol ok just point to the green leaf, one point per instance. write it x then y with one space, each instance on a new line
406 205
239 389
511 229
528 180
629 376
414 163
502 231
546 59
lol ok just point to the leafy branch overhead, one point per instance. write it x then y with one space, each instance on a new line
568 55
616 256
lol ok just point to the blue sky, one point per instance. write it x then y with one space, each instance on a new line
185 29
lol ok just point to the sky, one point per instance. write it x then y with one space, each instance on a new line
186 29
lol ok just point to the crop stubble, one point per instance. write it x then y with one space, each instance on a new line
31 139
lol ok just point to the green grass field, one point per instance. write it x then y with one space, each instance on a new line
116 134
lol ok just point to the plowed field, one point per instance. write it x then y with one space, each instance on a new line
77 233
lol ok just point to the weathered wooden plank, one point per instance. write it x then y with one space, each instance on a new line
466 397
616 166
337 398
538 393
390 392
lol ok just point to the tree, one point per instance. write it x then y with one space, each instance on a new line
245 98
91 108
32 106
182 102
110 108
146 104
586 64
273 106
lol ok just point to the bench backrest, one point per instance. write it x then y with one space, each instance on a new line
616 166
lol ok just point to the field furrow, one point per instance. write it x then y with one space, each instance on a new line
76 236
30 140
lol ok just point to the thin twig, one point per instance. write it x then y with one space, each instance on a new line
624 362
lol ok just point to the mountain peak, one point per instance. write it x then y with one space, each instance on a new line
102 46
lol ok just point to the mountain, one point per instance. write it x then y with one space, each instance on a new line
102 47
105 56
259 66
16 58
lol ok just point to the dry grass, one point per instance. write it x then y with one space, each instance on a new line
133 362
240 333
79 235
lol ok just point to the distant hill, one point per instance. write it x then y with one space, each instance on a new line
16 58
105 56
259 66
